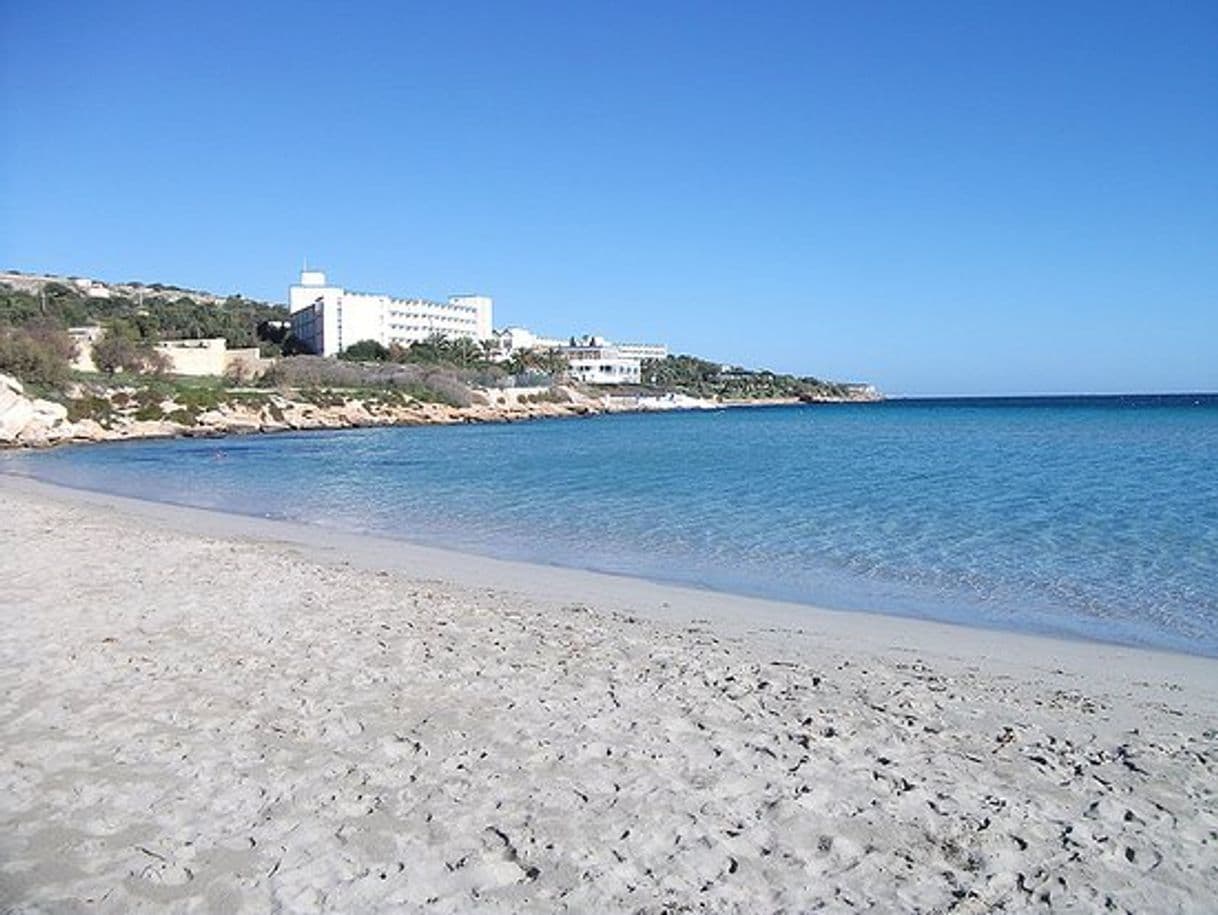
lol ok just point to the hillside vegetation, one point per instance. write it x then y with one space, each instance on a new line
701 378
35 348
154 313
35 313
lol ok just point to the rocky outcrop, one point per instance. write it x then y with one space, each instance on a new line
34 423
115 414
27 420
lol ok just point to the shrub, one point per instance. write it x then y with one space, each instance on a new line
365 351
30 359
239 372
552 395
198 400
156 363
116 353
445 389
429 383
91 407
53 337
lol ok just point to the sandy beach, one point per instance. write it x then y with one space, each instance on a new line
211 713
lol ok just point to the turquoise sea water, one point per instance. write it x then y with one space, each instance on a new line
1093 517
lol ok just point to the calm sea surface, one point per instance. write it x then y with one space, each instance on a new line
1093 517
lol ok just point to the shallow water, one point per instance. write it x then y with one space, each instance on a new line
1092 517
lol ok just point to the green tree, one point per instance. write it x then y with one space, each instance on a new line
537 362
365 351
432 351
466 352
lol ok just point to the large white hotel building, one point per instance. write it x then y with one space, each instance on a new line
328 318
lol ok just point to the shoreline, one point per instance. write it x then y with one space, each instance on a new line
787 610
30 423
660 601
212 712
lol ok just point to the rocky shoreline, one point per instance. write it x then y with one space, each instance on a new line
129 413
30 422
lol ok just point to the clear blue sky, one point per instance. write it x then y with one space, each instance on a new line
940 197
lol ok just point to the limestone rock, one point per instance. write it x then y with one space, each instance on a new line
86 430
15 413
25 420
49 413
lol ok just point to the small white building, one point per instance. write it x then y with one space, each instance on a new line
598 362
92 288
513 340
328 318
592 359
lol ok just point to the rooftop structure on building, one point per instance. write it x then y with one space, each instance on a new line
328 318
643 351
638 351
513 340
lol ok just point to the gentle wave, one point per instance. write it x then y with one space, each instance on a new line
1092 517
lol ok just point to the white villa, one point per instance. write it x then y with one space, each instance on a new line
595 361
328 318
592 359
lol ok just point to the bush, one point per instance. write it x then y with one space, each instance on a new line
53 337
427 383
115 352
198 400
441 388
552 395
30 359
365 351
157 363
91 407
239 372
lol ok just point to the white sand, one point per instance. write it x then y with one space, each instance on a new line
207 713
